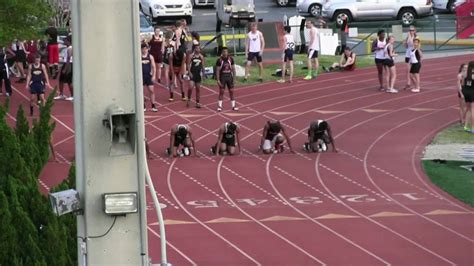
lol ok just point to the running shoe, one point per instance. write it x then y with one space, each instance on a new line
213 150
168 151
306 147
70 98
153 108
184 98
308 77
326 69
466 129
60 97
235 108
260 79
219 109
392 91
198 105
281 81
415 90
186 151
170 99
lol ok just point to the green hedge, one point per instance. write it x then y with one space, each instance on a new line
30 234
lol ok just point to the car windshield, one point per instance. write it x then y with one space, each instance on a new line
144 23
239 2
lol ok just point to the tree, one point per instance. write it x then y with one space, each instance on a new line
23 19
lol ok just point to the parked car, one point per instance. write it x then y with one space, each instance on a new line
234 12
203 2
407 11
311 7
146 29
285 2
166 9
446 5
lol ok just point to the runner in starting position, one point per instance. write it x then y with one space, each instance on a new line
319 136
228 138
181 136
273 138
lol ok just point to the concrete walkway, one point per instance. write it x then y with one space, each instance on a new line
449 152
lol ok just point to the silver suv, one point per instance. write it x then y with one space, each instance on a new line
404 10
312 7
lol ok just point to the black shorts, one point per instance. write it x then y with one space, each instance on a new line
415 68
389 62
147 80
468 94
379 61
312 54
324 137
251 56
229 141
178 142
20 56
196 77
66 77
227 81
37 88
288 55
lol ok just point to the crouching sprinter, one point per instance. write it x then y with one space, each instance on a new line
273 138
319 137
227 140
181 141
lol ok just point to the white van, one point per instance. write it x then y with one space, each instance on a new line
166 9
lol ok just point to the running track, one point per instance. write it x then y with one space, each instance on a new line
370 204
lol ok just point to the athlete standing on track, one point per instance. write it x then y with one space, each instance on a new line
416 56
36 82
4 77
53 49
225 73
65 75
148 74
409 45
181 136
273 138
167 63
460 82
468 91
389 64
288 55
227 139
319 137
313 50
254 46
196 74
156 50
378 49
178 68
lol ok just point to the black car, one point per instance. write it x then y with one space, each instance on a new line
285 2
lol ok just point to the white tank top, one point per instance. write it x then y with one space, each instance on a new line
289 42
315 44
410 47
386 52
380 54
255 45
413 59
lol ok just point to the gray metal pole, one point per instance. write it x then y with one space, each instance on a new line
107 72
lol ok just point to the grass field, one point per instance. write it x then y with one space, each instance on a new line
271 68
453 179
454 135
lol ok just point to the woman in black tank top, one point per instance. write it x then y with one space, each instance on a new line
468 92
196 72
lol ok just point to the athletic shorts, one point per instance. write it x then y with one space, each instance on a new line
468 94
53 54
415 68
37 88
230 141
196 77
268 144
251 56
288 55
65 78
407 60
312 54
147 80
389 62
20 56
227 81
178 142
379 61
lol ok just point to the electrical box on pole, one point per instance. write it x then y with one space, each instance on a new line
108 113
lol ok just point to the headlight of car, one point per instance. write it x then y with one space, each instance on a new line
158 6
188 5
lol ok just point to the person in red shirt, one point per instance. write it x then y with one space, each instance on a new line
347 62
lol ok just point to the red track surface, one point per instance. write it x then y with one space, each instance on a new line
370 204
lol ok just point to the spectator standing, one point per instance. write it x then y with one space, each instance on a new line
156 50
4 76
378 46
389 63
313 50
416 56
65 75
288 55
53 49
225 73
344 31
409 45
254 46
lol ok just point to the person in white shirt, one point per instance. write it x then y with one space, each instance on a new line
313 50
378 46
254 46
409 48
288 55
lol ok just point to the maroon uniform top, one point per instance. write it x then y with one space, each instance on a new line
156 49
